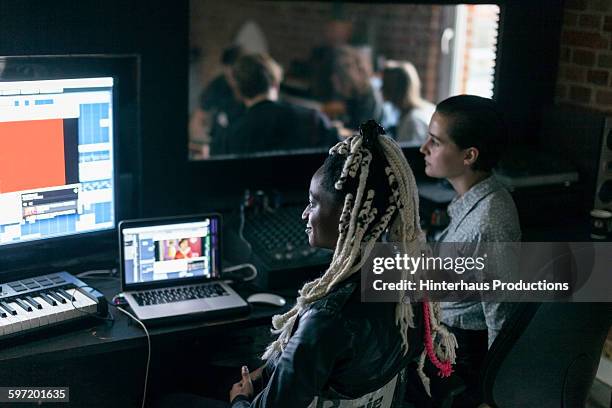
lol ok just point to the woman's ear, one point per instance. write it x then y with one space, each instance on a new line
470 156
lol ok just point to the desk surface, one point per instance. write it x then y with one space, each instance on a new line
98 336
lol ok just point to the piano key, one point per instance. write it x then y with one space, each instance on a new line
9 309
55 296
21 317
52 314
47 299
41 317
69 310
82 301
66 295
11 325
72 310
34 310
22 304
4 322
85 301
30 319
34 303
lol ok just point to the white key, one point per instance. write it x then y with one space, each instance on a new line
43 314
26 324
3 324
31 317
40 317
17 323
51 312
11 325
84 302
66 311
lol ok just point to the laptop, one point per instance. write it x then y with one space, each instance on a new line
171 269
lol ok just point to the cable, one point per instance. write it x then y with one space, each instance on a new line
241 229
144 395
109 317
242 266
109 272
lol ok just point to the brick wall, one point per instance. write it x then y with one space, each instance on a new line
292 29
585 65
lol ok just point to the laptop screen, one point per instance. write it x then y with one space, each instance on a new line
170 250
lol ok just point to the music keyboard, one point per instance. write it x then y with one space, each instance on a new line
38 303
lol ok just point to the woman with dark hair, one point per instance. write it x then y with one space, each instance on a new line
402 88
467 136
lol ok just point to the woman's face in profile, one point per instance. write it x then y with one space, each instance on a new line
443 158
322 215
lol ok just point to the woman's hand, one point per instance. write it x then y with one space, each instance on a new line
244 387
256 375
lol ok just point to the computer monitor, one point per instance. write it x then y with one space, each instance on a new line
57 159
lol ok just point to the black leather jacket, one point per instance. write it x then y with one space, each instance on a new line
340 349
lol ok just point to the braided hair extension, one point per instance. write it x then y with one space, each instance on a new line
379 193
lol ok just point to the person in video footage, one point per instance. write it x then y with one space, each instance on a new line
331 346
218 109
402 88
343 78
184 250
270 124
467 136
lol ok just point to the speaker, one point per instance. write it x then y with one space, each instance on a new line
603 190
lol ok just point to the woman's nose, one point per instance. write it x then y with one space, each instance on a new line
305 212
424 147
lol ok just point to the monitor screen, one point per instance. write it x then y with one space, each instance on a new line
328 67
169 250
56 158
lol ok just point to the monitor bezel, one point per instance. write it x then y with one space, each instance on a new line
86 250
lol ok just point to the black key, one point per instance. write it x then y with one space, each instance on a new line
3 314
9 309
56 297
66 295
23 305
47 299
34 303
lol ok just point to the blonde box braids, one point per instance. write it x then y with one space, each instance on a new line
357 236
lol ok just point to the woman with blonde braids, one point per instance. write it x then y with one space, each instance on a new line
331 346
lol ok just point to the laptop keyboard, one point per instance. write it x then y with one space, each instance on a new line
161 296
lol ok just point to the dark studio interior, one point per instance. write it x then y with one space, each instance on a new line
550 76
